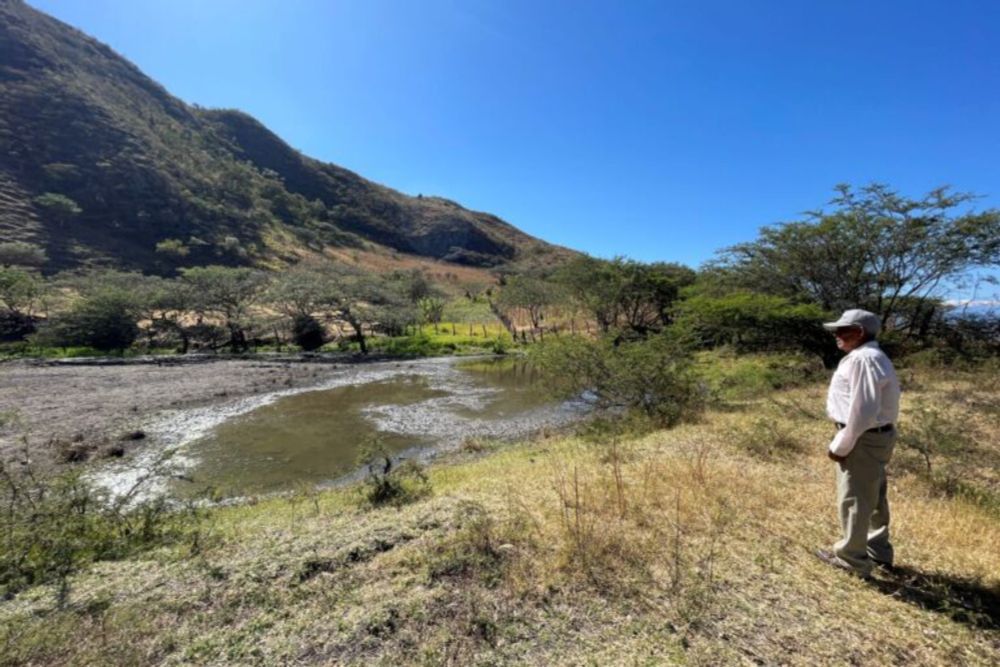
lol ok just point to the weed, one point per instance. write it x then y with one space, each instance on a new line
765 437
389 481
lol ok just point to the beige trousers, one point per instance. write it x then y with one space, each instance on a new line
862 502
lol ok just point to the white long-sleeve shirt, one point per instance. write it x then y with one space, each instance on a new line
864 393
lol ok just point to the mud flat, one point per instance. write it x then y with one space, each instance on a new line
75 411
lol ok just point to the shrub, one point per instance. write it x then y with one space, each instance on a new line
307 332
389 481
51 527
653 376
173 248
105 320
752 322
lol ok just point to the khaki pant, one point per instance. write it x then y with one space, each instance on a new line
861 499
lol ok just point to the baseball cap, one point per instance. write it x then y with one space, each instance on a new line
857 318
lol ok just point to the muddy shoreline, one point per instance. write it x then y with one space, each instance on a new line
71 411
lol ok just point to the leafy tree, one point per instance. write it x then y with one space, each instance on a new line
173 248
59 206
876 250
105 317
625 294
227 294
431 310
19 291
19 253
302 290
531 294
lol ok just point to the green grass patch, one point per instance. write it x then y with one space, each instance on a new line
737 377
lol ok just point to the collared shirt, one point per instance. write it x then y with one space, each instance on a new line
864 393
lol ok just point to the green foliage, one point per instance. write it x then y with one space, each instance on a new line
754 322
625 294
105 318
19 290
228 294
52 527
59 206
19 253
389 481
532 294
737 377
654 376
173 248
876 250
431 309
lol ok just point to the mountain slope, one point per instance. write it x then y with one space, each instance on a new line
99 164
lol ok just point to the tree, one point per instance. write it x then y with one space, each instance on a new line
228 294
875 250
20 292
531 294
19 253
431 310
59 206
625 294
105 316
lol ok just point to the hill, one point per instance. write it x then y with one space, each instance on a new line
99 164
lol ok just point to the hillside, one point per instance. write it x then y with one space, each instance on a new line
99 164
690 546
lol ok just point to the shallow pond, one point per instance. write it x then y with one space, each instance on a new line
312 436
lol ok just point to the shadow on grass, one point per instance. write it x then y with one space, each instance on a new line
963 600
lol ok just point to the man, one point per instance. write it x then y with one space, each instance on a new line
863 401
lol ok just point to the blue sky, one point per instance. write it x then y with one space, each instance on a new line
657 130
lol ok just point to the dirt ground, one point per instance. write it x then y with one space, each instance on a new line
73 412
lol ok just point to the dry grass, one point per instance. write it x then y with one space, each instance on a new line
689 546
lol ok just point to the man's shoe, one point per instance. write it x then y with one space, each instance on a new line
836 561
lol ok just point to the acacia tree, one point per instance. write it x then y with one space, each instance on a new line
299 294
876 249
226 293
105 315
624 294
531 294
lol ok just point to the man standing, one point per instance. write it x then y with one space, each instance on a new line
863 401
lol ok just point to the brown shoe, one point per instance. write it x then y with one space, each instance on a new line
836 561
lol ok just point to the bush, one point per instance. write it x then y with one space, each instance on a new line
105 320
731 376
52 527
654 376
308 333
751 322
389 481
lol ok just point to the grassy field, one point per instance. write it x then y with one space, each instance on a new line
688 546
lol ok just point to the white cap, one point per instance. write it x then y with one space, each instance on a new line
857 318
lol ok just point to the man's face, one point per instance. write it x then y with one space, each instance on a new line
849 338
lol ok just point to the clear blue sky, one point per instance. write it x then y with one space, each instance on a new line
657 130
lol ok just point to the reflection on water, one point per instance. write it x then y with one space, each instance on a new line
314 436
